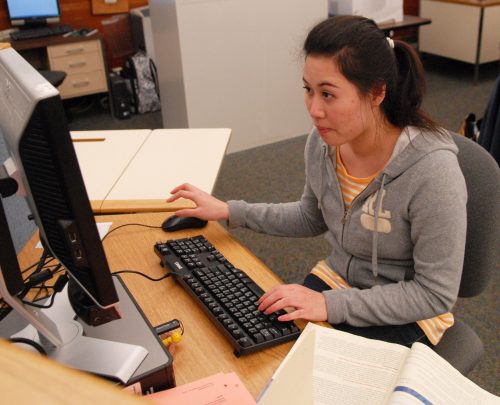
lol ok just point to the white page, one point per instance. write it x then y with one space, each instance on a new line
352 369
429 379
292 381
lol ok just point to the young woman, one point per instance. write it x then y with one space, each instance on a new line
382 183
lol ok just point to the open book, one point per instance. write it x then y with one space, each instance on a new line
327 366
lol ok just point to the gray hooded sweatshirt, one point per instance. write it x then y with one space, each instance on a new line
401 243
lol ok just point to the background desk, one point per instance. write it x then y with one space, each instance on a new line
203 350
409 21
82 58
134 170
465 30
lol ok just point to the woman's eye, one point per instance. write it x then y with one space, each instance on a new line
327 95
307 89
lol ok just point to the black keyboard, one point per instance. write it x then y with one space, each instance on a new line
40 32
227 295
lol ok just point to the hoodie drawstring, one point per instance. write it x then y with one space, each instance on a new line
324 169
378 203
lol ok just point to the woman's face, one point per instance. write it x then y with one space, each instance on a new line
338 111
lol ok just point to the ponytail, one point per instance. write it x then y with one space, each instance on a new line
403 100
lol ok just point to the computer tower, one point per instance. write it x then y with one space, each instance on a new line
142 33
121 97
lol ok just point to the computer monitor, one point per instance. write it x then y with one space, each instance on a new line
33 12
44 164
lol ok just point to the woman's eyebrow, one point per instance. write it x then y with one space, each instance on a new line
324 83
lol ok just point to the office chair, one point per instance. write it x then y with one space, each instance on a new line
54 77
460 345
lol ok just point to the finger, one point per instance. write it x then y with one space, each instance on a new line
190 195
291 316
271 292
183 186
188 212
268 299
276 306
275 302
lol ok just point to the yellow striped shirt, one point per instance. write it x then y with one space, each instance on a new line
350 186
433 328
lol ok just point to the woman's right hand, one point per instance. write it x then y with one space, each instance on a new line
208 207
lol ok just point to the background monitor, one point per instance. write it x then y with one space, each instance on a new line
33 12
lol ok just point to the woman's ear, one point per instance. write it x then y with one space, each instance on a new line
377 94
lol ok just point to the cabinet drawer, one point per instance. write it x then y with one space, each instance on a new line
82 84
74 48
81 63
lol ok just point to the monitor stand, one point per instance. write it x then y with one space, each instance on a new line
111 359
154 373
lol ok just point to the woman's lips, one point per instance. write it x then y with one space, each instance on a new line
322 130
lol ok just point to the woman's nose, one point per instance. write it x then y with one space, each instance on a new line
315 108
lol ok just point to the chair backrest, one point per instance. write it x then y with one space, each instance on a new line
482 249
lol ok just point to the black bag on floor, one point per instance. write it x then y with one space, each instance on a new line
140 70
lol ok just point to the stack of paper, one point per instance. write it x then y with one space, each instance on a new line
217 389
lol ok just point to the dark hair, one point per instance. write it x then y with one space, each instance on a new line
365 57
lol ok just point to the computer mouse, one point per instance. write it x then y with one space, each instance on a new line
175 223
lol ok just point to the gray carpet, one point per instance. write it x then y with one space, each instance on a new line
275 173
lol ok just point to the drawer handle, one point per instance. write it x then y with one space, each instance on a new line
81 84
75 50
77 64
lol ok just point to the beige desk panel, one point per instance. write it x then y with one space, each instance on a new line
171 157
103 157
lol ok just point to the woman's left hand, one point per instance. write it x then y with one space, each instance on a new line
304 303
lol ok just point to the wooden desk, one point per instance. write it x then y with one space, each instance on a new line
203 350
27 378
134 170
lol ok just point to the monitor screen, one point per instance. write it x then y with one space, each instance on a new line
34 128
29 11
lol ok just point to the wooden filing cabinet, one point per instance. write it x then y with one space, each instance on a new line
84 64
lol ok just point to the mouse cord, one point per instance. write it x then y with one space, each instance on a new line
141 274
131 224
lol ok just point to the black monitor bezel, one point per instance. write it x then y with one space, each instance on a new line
39 123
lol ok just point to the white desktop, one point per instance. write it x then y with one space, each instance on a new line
379 10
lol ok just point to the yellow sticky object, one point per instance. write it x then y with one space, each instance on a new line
175 337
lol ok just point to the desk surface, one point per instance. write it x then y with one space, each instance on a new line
44 42
203 350
134 170
103 157
28 378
